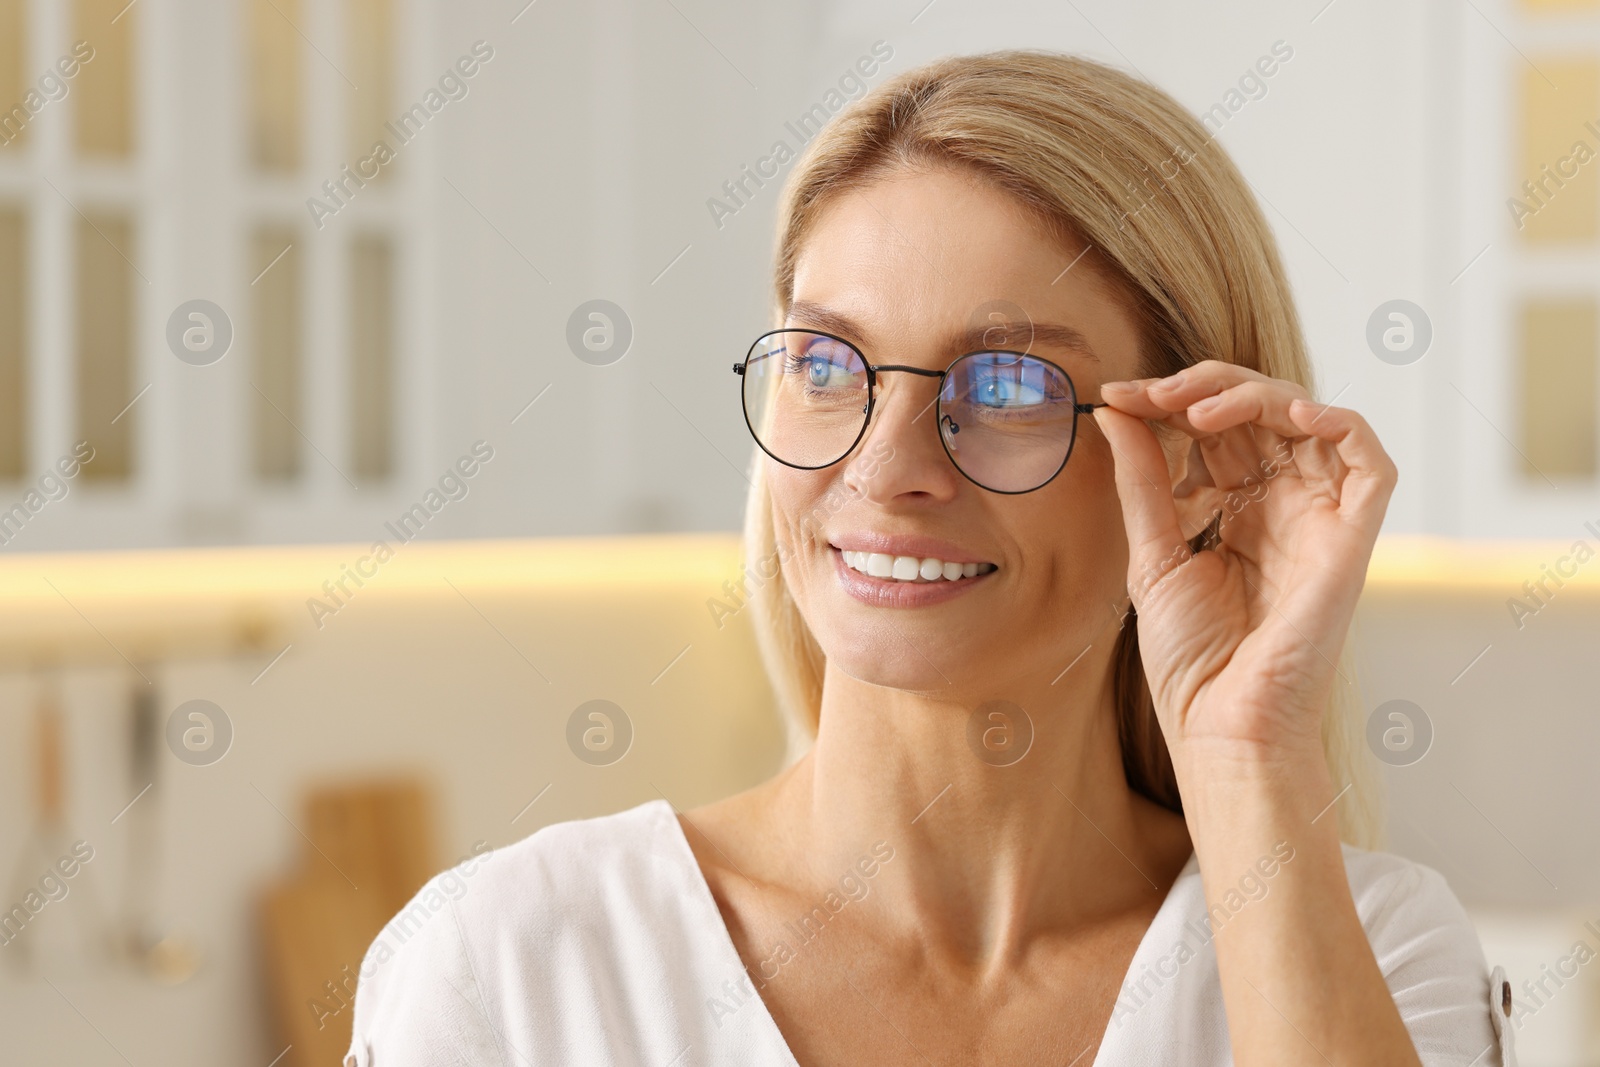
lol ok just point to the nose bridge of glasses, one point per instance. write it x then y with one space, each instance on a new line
902 368
922 404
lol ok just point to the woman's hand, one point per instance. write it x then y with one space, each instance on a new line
1240 643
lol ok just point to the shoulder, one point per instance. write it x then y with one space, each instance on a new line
570 873
502 925
1410 912
1388 887
1421 937
1431 957
565 864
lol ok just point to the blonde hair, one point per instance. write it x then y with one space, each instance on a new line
1111 161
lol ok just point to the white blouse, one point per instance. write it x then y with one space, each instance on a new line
598 941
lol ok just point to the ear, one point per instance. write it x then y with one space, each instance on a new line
1195 495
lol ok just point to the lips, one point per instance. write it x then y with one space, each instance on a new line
905 570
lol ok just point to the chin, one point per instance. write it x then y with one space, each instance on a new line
913 655
894 669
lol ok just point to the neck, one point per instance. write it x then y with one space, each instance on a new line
988 853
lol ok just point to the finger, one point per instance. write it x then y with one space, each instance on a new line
1265 404
1314 461
1149 512
1265 407
1174 392
1191 404
1231 455
1211 376
1371 475
1189 389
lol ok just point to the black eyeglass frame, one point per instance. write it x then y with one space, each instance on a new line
1078 407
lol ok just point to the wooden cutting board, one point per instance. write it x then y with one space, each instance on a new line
371 849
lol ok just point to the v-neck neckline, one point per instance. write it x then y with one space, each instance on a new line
727 948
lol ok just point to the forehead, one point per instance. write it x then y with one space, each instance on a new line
918 257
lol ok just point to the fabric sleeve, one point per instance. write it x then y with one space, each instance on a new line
1456 1011
419 1002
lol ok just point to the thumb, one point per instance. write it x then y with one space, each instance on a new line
1149 512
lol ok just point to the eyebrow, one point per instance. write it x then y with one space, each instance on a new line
973 339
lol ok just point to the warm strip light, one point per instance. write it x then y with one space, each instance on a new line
702 561
297 571
1445 565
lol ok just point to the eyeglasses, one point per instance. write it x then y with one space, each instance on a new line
1007 420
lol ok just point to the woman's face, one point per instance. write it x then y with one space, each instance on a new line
904 270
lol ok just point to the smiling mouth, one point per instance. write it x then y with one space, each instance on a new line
911 568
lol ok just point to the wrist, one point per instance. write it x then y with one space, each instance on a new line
1241 766
1230 793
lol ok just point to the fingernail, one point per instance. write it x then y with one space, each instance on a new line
1204 405
1120 388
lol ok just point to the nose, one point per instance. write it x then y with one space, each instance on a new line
901 458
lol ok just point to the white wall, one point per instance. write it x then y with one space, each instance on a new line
587 151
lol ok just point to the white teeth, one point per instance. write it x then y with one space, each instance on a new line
911 568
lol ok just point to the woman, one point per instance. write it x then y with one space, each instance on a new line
1035 824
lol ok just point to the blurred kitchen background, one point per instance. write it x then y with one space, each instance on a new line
239 348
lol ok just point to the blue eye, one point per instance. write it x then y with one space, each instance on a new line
1017 385
1003 384
1008 391
820 372
826 365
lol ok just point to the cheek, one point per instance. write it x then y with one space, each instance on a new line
1086 489
803 503
1095 496
1077 526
